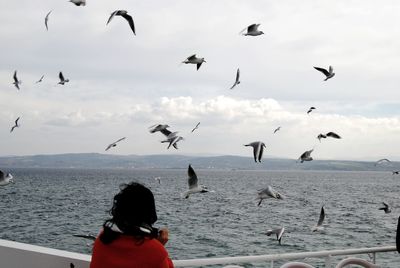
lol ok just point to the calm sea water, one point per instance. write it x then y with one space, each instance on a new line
47 206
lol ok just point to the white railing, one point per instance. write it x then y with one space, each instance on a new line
17 255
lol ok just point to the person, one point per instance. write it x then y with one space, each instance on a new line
129 239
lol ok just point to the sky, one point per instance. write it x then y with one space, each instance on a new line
121 84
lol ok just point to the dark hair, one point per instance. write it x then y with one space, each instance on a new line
133 212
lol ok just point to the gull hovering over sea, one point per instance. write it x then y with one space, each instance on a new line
386 208
196 127
380 161
15 125
252 30
78 2
329 134
279 232
319 226
5 178
114 143
170 135
194 60
258 149
46 19
310 110
237 81
124 14
194 187
16 81
329 74
268 192
277 129
306 156
158 179
62 79
40 80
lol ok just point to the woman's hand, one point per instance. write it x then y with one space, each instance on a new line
163 235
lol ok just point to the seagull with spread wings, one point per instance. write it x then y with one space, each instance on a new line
16 81
40 80
279 232
237 81
329 74
252 30
196 127
306 156
124 14
114 143
268 192
194 60
15 125
194 187
385 208
258 149
62 79
5 178
319 226
78 2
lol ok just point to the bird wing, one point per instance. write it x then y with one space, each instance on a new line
198 65
130 21
121 139
61 76
333 135
385 204
15 78
192 180
261 151
166 132
46 19
237 76
196 126
256 148
321 217
109 146
330 69
252 27
111 16
322 70
192 57
16 121
1 175
280 233
40 80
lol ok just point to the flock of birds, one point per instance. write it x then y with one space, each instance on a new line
172 138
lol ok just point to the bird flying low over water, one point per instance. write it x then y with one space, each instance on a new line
15 125
62 79
46 19
16 81
329 134
279 232
40 80
395 172
385 208
310 110
194 187
329 74
78 2
268 192
252 30
194 60
114 143
5 178
258 149
124 14
196 127
237 81
380 161
306 156
319 226
277 129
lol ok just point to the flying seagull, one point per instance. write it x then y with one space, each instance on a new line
252 30
114 143
279 232
396 172
5 178
62 79
46 19
277 129
194 60
306 156
158 179
196 127
329 134
329 74
163 129
258 149
40 80
268 192
319 226
78 2
385 208
16 81
124 14
173 140
15 125
310 110
237 81
380 161
193 184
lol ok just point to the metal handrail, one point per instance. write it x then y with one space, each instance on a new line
327 254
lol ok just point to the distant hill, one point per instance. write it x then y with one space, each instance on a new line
95 160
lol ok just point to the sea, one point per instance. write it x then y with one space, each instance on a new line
46 207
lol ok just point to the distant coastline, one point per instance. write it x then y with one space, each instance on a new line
228 162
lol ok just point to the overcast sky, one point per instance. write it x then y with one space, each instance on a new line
121 84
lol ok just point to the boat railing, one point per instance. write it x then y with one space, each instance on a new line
16 255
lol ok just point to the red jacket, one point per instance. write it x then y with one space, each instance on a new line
127 252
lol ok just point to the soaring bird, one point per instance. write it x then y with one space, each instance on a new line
319 226
196 127
237 81
306 156
124 14
46 19
385 208
40 80
380 161
16 81
329 134
62 79
15 125
78 2
170 135
310 110
252 30
277 129
258 149
329 74
114 143
268 192
5 178
279 232
194 60
194 187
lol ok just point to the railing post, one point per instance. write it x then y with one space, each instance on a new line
328 261
374 257
272 263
